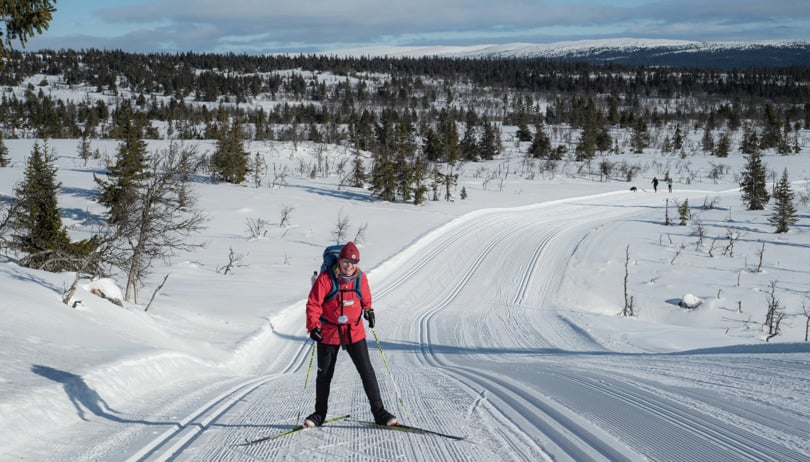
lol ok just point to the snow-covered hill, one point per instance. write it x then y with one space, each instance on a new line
497 315
621 50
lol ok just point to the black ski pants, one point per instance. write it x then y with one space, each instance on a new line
327 357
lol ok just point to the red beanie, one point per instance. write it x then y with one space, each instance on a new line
350 252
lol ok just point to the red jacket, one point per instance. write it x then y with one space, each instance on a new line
325 314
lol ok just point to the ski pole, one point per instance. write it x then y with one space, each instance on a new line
390 375
309 368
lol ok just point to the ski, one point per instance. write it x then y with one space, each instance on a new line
410 429
295 429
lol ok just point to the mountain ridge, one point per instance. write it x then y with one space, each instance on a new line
629 51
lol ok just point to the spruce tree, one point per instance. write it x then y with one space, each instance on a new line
448 132
36 220
750 141
229 162
24 19
772 128
469 144
358 175
586 147
420 176
641 137
541 145
707 141
784 212
523 133
752 185
4 160
677 139
723 145
490 144
683 213
119 191
384 178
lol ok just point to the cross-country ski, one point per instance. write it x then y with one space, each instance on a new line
294 430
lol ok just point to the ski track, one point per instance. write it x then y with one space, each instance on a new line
174 440
575 401
537 422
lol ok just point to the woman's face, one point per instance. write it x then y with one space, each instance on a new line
347 266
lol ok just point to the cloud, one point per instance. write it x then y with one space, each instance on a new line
260 25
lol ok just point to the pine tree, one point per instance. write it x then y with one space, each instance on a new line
119 191
723 145
420 176
469 142
23 19
683 213
490 144
752 185
4 160
677 139
784 212
707 141
541 145
641 137
523 133
432 145
83 148
750 141
362 132
358 176
448 131
229 162
772 128
384 178
35 219
586 147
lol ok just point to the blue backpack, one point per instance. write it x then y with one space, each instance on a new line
330 258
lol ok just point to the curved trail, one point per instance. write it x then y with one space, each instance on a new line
478 346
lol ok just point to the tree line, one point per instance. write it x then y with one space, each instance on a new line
417 118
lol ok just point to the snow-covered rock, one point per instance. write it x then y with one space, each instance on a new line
690 301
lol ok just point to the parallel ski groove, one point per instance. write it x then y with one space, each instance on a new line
410 429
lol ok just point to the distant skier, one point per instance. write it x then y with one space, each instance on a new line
655 184
669 184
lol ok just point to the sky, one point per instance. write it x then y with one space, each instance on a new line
267 26
497 316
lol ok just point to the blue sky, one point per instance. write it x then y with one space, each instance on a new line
260 26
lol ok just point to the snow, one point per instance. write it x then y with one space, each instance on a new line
555 49
498 316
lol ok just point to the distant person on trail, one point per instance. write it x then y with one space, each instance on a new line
336 323
313 278
669 184
655 184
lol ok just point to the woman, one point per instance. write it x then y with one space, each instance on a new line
337 302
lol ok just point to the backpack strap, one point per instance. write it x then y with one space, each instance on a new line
357 286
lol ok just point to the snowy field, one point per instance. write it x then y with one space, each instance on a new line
498 315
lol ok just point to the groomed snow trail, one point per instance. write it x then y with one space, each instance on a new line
505 366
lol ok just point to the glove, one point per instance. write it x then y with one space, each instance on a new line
315 334
369 315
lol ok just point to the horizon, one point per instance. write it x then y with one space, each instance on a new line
243 26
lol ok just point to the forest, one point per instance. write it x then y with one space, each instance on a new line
409 122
